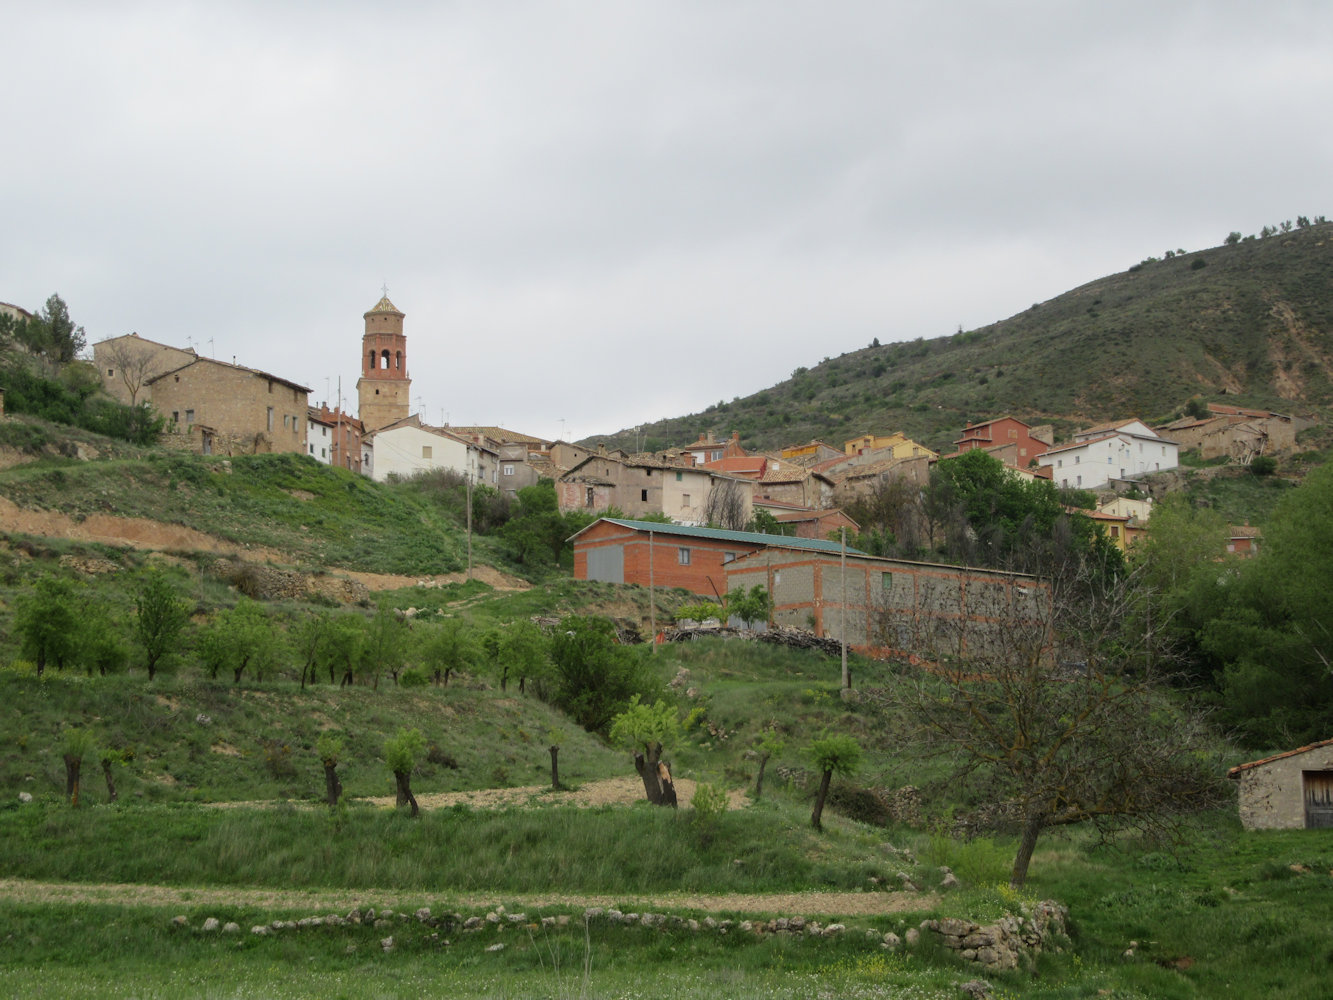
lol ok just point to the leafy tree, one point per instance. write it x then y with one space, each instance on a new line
645 729
595 677
65 339
343 647
401 753
386 645
1056 711
448 647
524 650
831 755
1233 238
240 638
1272 636
756 605
536 532
765 523
160 617
47 622
310 638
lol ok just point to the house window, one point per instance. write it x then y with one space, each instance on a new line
1059 463
684 499
728 557
426 451
588 498
643 495
717 456
270 389
175 416
508 470
189 416
1115 531
886 581
1078 459
683 556
680 476
270 414
110 372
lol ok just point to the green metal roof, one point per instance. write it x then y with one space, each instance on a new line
757 538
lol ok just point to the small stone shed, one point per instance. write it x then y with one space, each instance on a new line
1289 791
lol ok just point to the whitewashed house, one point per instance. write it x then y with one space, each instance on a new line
1118 451
408 446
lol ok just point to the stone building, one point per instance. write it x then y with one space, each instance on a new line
127 364
222 409
1288 791
384 388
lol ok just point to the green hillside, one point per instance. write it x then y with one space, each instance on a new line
1252 320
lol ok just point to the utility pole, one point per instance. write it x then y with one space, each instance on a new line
652 593
842 618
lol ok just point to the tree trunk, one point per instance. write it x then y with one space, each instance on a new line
646 765
72 766
405 796
1026 845
759 779
332 786
820 796
555 769
658 785
110 781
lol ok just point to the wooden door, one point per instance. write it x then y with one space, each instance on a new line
1318 799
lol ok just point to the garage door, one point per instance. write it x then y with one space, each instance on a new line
607 564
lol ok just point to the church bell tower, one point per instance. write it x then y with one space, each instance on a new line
383 390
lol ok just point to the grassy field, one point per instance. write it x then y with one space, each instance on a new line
1230 913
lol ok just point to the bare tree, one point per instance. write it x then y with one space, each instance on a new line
725 505
134 365
1059 714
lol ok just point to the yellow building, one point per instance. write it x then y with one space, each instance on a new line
901 446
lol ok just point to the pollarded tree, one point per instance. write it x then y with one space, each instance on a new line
160 617
645 730
840 755
75 744
329 747
401 753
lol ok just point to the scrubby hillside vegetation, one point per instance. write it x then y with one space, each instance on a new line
1251 320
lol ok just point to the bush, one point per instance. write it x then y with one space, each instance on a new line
1263 465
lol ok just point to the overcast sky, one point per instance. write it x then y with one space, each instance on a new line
597 214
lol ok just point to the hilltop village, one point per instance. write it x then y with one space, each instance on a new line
215 408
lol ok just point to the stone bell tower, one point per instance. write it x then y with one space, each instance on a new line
383 388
